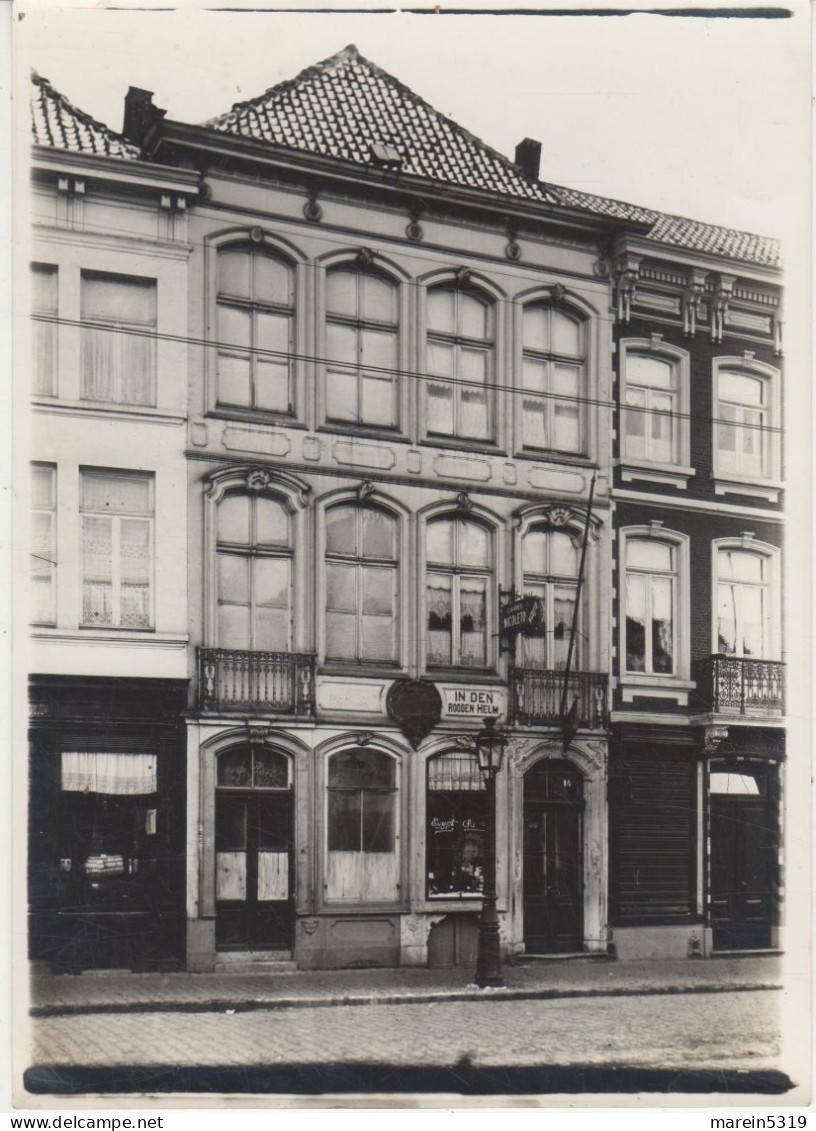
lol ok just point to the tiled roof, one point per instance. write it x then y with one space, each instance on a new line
345 105
58 124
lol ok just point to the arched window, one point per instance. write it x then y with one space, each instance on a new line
550 561
651 606
254 552
459 556
361 584
255 329
456 823
361 348
743 603
743 413
553 378
461 330
362 827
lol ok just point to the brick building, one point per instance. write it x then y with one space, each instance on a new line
404 381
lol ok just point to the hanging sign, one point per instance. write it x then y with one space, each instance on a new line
523 614
415 704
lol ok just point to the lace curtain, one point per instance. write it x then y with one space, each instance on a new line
98 772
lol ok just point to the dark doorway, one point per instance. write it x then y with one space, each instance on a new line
553 887
253 847
744 841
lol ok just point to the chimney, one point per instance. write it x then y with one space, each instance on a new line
528 158
140 113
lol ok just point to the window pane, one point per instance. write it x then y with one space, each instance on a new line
271 522
235 769
439 619
271 629
233 519
273 280
378 589
457 824
233 579
662 635
341 395
271 578
753 621
440 358
648 554
727 618
566 424
358 769
727 438
440 409
744 565
270 770
273 333
378 822
752 444
379 534
378 401
379 299
377 638
661 427
440 310
473 621
234 380
118 298
43 289
341 344
134 606
99 363
134 550
739 388
233 273
534 551
272 386
344 821
650 372
566 333
473 415
43 483
234 328
473 317
439 540
116 494
564 555
563 612
536 328
44 334
635 423
341 635
341 587
474 545
341 530
341 293
233 626
379 350
636 623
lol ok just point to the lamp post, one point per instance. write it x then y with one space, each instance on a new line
490 746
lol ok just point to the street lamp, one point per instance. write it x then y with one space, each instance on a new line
490 746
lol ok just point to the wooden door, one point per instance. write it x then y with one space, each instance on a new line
743 839
553 887
253 844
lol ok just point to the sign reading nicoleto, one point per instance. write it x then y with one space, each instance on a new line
473 702
522 614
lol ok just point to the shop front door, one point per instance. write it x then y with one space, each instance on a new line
553 888
743 839
253 854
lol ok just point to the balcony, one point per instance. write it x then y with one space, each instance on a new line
536 697
279 683
732 685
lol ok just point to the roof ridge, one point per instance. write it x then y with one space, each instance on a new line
82 115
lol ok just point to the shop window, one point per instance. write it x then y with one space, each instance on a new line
459 557
651 581
43 543
254 561
550 560
361 584
460 352
455 826
45 308
362 818
362 341
553 376
118 341
117 549
255 330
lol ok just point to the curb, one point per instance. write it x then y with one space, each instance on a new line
227 1005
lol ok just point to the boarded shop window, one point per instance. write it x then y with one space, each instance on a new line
362 863
456 824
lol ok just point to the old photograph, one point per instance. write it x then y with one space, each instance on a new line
411 680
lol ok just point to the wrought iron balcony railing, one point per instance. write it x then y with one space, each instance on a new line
273 682
734 685
536 697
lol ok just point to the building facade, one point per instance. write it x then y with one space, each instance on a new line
402 382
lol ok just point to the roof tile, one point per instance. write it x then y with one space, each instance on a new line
58 124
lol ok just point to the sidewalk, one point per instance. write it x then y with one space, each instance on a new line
117 992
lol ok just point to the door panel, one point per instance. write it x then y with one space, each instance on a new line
553 887
743 850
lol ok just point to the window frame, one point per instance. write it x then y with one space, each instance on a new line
150 519
676 684
551 357
551 581
772 556
52 511
456 572
735 482
676 472
465 897
129 328
50 323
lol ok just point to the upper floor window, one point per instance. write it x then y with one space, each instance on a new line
361 348
460 339
743 603
655 408
43 543
743 419
651 606
459 556
254 562
118 347
44 306
117 549
255 329
553 379
550 561
361 584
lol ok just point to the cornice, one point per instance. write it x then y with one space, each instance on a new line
743 268
114 169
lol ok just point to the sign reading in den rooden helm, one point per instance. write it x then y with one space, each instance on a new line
416 705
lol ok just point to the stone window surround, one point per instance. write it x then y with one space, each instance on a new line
729 484
773 616
674 474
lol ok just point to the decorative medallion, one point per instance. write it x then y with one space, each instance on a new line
513 251
311 209
258 480
464 503
416 706
365 489
463 275
365 257
364 738
256 235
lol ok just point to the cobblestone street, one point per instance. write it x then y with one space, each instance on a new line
734 1030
